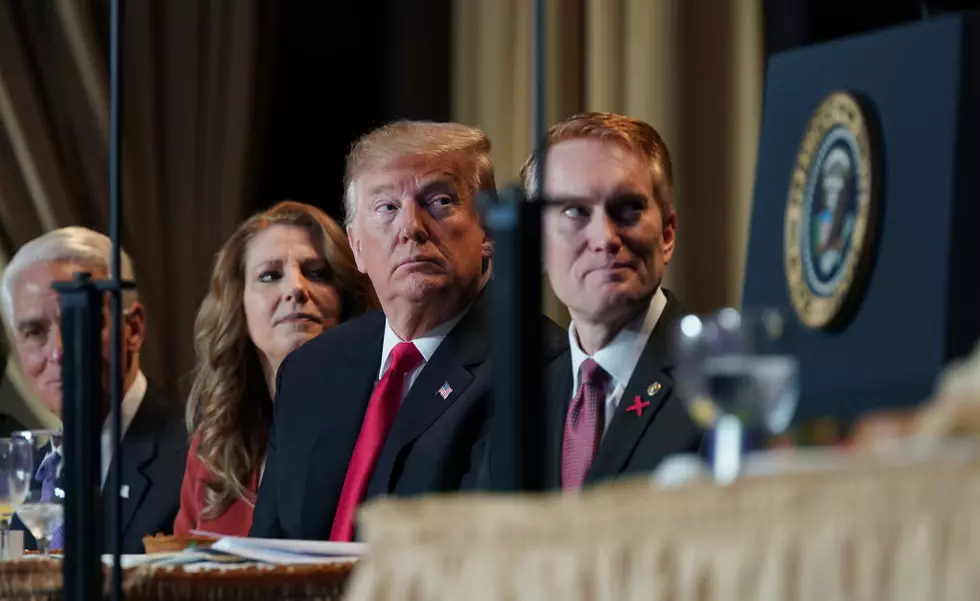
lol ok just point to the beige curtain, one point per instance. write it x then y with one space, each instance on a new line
193 77
492 79
692 68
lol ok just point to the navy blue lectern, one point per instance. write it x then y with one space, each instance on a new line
917 304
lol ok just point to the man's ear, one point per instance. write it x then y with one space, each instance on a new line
475 204
355 247
134 320
669 236
487 251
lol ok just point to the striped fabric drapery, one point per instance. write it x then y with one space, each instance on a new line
692 68
192 98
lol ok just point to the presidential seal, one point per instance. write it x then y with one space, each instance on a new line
832 212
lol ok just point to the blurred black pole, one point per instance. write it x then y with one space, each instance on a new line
81 331
115 289
515 224
518 406
82 392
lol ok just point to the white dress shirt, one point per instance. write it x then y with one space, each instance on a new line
620 356
426 345
127 410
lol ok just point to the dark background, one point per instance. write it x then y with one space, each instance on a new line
336 76
793 23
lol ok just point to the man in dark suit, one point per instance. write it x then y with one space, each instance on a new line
392 403
154 441
609 233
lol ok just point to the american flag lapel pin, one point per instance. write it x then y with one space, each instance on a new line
445 390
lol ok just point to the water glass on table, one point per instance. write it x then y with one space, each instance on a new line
38 459
7 497
738 375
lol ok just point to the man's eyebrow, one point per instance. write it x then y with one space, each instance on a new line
30 322
436 181
562 199
380 189
440 183
626 192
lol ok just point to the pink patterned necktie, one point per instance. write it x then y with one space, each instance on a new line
583 425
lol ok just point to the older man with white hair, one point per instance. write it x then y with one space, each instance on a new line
154 442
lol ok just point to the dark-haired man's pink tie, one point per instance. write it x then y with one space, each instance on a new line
584 423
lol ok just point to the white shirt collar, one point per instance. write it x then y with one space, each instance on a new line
426 344
620 356
130 405
127 411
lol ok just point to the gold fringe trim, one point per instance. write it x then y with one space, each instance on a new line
907 533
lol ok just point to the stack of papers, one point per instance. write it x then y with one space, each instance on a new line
288 552
231 551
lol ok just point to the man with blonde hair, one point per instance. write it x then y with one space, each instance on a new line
609 233
392 402
154 442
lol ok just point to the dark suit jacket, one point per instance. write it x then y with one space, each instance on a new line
154 450
633 444
323 391
9 425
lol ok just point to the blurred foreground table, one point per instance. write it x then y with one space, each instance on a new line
895 528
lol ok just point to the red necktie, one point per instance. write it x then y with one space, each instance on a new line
381 411
583 426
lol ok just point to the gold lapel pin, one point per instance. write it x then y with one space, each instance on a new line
654 388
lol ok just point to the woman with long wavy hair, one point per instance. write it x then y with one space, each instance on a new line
286 275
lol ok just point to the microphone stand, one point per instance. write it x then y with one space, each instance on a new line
115 287
514 222
82 393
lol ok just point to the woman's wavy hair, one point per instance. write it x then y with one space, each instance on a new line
229 404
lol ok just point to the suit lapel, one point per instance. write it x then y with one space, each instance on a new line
643 401
346 393
466 345
559 395
139 448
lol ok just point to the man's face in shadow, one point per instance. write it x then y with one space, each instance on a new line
37 329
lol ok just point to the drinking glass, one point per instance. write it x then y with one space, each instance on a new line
7 497
38 460
739 377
